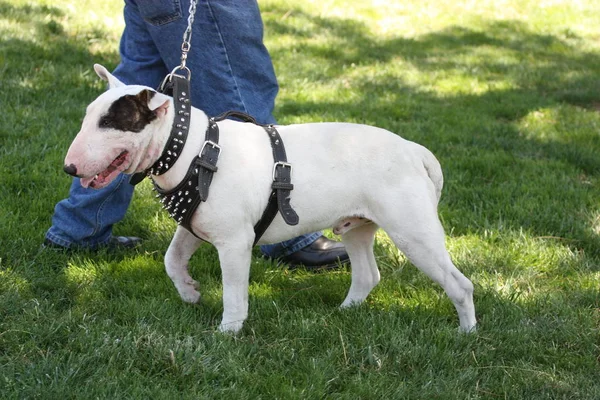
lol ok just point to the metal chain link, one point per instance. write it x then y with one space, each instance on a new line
187 35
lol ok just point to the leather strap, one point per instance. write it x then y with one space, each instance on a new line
207 159
137 178
279 200
178 87
182 201
282 177
239 115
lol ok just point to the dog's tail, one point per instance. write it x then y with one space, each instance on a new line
434 170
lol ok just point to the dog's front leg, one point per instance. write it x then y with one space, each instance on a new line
183 245
234 257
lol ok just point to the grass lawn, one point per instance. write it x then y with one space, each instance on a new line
505 93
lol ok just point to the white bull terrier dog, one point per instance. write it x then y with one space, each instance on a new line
349 177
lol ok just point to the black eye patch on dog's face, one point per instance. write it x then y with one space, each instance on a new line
129 113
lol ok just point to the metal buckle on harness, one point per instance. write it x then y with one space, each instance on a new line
281 164
212 144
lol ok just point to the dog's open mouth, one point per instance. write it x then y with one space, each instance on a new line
102 179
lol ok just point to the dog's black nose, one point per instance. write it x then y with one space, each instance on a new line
70 169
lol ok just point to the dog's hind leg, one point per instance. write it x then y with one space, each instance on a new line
422 240
182 247
365 274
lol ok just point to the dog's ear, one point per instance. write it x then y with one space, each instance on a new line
107 76
157 102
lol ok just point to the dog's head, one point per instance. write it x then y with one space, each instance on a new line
118 133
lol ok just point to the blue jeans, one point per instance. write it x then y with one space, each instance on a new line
231 70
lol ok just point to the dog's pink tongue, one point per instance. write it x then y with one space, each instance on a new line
108 174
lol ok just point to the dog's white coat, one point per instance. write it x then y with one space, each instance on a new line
340 172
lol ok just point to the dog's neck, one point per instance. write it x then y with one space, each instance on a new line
197 127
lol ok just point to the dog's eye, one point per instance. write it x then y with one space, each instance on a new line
104 123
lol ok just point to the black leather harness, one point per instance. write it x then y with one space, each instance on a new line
182 201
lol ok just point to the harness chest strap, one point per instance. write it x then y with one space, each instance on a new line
279 199
182 201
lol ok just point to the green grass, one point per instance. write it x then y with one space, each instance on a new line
506 94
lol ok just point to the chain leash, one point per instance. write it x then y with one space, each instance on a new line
186 45
187 36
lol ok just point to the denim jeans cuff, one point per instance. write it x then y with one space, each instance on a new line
289 246
71 244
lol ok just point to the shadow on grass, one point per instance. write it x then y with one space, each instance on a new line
498 175
541 62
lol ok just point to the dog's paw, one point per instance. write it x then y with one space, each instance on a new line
468 329
190 296
231 327
348 303
189 291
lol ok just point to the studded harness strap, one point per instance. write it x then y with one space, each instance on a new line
182 201
177 87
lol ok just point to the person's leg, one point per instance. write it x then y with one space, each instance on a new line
86 217
140 61
230 66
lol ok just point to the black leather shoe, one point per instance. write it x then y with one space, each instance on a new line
123 242
114 243
322 254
